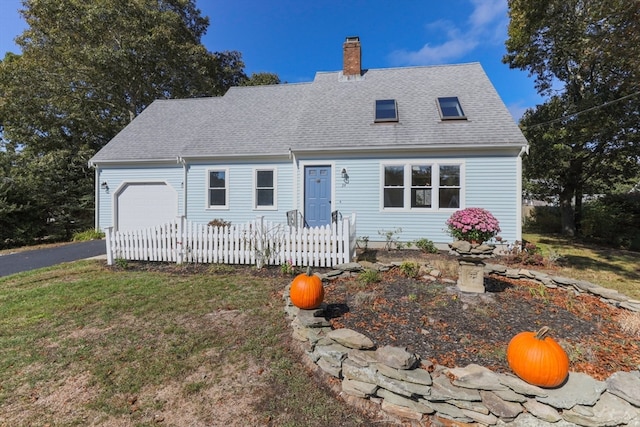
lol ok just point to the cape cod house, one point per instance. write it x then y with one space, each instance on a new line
401 147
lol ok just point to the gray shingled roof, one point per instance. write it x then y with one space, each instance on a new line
330 113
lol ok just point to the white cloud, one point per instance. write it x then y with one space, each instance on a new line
487 12
438 54
486 23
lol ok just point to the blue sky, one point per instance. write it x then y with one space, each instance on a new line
297 38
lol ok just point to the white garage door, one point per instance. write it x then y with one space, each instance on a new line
142 205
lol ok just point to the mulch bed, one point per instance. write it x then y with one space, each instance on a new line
438 323
433 320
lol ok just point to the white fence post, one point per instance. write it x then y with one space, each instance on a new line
179 239
108 232
259 241
350 247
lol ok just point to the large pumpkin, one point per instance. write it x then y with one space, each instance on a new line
306 291
538 359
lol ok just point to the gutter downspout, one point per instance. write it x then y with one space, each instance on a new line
184 186
524 150
294 163
96 213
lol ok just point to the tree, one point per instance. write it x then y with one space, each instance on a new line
258 79
86 70
584 55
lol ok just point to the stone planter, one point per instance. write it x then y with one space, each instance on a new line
471 265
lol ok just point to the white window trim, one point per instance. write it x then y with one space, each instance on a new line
275 189
461 202
226 188
435 184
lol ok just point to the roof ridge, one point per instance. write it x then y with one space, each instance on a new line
410 67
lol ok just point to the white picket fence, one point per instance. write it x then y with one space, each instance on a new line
258 242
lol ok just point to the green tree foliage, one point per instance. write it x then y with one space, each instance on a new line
86 70
258 79
585 56
614 220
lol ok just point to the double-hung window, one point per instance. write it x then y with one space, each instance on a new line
449 186
265 189
420 186
393 192
218 188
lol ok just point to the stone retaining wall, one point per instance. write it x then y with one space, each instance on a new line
610 296
410 389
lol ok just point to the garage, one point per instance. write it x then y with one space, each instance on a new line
145 204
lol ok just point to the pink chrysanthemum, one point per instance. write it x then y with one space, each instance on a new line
473 224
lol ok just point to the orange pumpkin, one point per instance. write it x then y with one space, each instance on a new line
538 359
306 291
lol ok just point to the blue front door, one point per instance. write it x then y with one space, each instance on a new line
317 195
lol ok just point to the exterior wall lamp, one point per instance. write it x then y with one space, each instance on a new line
345 175
104 185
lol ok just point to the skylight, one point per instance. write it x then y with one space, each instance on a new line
386 110
450 108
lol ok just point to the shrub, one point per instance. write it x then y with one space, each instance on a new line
527 254
391 240
544 219
410 268
473 224
219 222
122 263
288 269
613 220
426 246
362 242
369 276
88 235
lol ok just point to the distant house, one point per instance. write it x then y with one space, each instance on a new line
401 147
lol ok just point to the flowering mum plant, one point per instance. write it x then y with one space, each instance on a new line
473 224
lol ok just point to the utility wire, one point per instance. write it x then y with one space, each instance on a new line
581 112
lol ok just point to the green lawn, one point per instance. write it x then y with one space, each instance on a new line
611 268
81 343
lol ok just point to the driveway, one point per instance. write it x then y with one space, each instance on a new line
39 258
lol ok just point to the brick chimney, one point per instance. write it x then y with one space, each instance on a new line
352 57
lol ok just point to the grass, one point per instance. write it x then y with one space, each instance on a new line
122 337
611 268
84 344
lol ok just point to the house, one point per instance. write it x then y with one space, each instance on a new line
401 147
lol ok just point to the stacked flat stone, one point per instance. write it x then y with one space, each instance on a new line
408 388
609 296
464 248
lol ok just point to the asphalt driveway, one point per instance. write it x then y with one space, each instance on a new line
39 258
